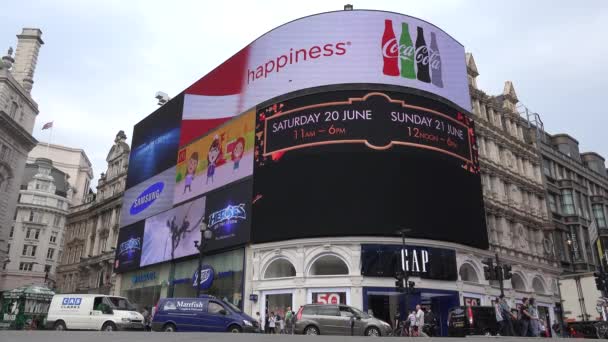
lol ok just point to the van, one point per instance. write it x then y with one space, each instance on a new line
205 313
92 312
333 319
472 320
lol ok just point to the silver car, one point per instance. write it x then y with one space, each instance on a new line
332 319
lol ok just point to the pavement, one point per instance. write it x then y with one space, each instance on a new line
98 336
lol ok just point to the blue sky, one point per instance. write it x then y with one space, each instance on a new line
103 61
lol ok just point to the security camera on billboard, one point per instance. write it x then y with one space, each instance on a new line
329 49
219 158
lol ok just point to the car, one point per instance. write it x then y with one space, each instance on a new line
472 320
92 312
205 313
333 319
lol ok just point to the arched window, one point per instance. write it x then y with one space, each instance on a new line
328 265
518 283
538 286
280 268
467 273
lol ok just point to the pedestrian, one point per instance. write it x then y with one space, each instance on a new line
288 320
524 318
534 327
147 318
259 319
267 323
272 323
411 319
419 320
281 322
507 315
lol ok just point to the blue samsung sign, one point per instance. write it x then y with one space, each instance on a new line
146 198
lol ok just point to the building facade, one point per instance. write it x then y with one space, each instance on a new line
92 228
73 161
18 112
35 240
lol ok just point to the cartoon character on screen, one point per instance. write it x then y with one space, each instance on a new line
190 170
237 153
215 151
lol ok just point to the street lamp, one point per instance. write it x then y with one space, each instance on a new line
206 234
571 250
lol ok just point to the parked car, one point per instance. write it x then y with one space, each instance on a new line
472 320
588 329
331 319
92 312
206 313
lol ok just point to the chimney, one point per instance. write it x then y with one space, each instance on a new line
26 57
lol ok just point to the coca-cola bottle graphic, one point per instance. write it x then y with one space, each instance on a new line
406 53
436 77
390 50
422 57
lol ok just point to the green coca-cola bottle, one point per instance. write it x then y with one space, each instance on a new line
406 53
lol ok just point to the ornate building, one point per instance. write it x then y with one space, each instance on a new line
92 229
519 228
18 113
35 240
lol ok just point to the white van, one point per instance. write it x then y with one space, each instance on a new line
92 312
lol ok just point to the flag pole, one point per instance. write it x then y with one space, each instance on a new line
48 144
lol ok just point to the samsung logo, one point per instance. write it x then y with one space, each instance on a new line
146 198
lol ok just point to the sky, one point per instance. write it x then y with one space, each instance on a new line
103 61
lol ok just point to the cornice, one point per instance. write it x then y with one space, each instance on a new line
10 127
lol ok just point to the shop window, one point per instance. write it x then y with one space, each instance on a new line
280 268
328 265
518 283
538 286
467 273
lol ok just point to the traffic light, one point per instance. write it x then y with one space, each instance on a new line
488 270
410 286
399 275
507 272
600 281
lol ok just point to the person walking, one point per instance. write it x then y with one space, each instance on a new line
507 316
524 318
259 319
267 323
289 317
411 323
147 318
419 320
272 323
281 323
534 327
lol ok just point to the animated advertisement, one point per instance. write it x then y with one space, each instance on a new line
219 158
171 234
129 247
327 49
155 142
366 162
148 198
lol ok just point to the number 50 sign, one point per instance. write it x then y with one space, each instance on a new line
328 298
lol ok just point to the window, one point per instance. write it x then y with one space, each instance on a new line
33 251
8 248
40 200
24 252
36 216
214 308
13 109
36 234
598 213
50 253
567 202
41 185
57 220
547 167
328 310
53 237
552 203
10 235
47 268
26 266
28 233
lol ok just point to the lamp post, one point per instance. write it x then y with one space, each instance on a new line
571 250
206 234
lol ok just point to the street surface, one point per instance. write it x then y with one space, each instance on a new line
98 336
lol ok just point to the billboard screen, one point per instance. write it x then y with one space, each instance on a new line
325 49
148 197
366 162
155 142
219 158
171 234
129 247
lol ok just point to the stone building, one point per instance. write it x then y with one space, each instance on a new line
519 227
73 161
92 228
18 112
36 237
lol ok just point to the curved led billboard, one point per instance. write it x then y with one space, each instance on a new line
326 49
366 162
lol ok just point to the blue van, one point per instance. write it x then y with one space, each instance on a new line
206 313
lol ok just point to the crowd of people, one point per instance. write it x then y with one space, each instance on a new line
277 322
525 321
419 322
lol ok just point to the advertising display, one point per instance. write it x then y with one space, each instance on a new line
219 158
420 261
367 162
155 142
171 234
129 247
329 298
325 49
148 198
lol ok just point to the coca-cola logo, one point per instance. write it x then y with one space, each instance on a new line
422 54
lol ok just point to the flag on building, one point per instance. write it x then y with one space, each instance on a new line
47 125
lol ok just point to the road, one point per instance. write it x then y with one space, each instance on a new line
96 336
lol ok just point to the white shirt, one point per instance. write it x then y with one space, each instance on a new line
420 318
